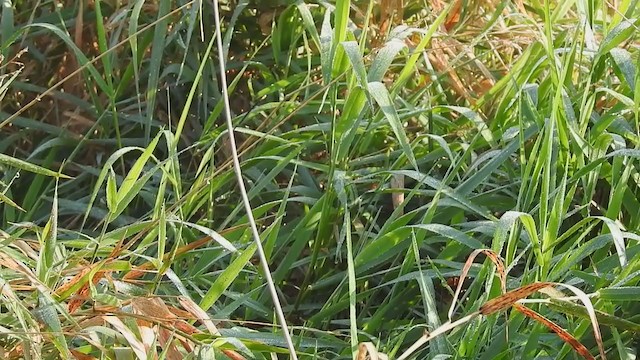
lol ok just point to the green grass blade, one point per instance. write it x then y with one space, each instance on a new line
26 166
381 95
226 278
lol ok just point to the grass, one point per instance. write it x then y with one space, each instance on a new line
383 147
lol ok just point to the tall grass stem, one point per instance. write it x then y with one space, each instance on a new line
243 191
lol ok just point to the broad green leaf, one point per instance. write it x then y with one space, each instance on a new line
572 258
341 20
381 95
307 21
626 293
617 35
47 313
452 193
26 166
352 50
112 192
326 41
618 239
384 58
133 176
105 172
209 232
381 248
226 278
452 234
5 199
624 62
49 244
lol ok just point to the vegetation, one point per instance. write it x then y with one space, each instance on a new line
383 144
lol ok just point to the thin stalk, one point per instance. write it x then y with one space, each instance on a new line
243 191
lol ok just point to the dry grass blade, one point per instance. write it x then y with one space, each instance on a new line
467 265
501 303
202 316
592 315
437 332
562 333
136 345
367 351
504 301
199 314
81 356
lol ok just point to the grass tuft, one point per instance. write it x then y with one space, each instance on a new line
383 146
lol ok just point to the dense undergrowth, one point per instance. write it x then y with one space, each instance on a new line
381 143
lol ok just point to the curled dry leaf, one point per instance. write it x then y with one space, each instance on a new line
465 269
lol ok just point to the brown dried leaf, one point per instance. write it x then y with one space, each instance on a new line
454 15
202 316
81 356
153 308
137 346
367 351
391 14
465 269
562 333
195 310
165 338
504 301
65 287
91 321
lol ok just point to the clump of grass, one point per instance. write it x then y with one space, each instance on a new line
381 145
